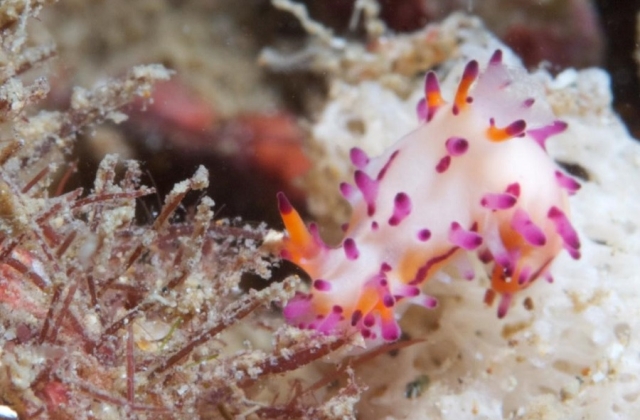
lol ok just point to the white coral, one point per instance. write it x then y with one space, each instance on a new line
573 353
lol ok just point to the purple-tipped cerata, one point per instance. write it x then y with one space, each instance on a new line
470 189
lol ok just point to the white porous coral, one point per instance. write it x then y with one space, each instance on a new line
567 350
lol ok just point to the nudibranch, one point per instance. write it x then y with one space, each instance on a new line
473 178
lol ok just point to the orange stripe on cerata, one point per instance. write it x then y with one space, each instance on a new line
432 91
468 77
514 129
301 243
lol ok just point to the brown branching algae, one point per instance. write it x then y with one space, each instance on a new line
102 317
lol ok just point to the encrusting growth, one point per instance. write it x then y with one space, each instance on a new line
473 178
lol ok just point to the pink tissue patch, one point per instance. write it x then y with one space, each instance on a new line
55 394
298 307
329 321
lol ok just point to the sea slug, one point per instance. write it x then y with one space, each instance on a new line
474 177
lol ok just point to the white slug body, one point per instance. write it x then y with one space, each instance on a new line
474 177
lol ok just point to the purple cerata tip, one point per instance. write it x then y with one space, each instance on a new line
401 208
541 134
355 317
566 231
350 249
522 223
346 190
284 205
513 189
369 189
424 235
503 306
431 84
443 164
496 58
390 330
465 239
471 70
358 157
322 285
566 182
388 301
456 146
500 201
516 128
